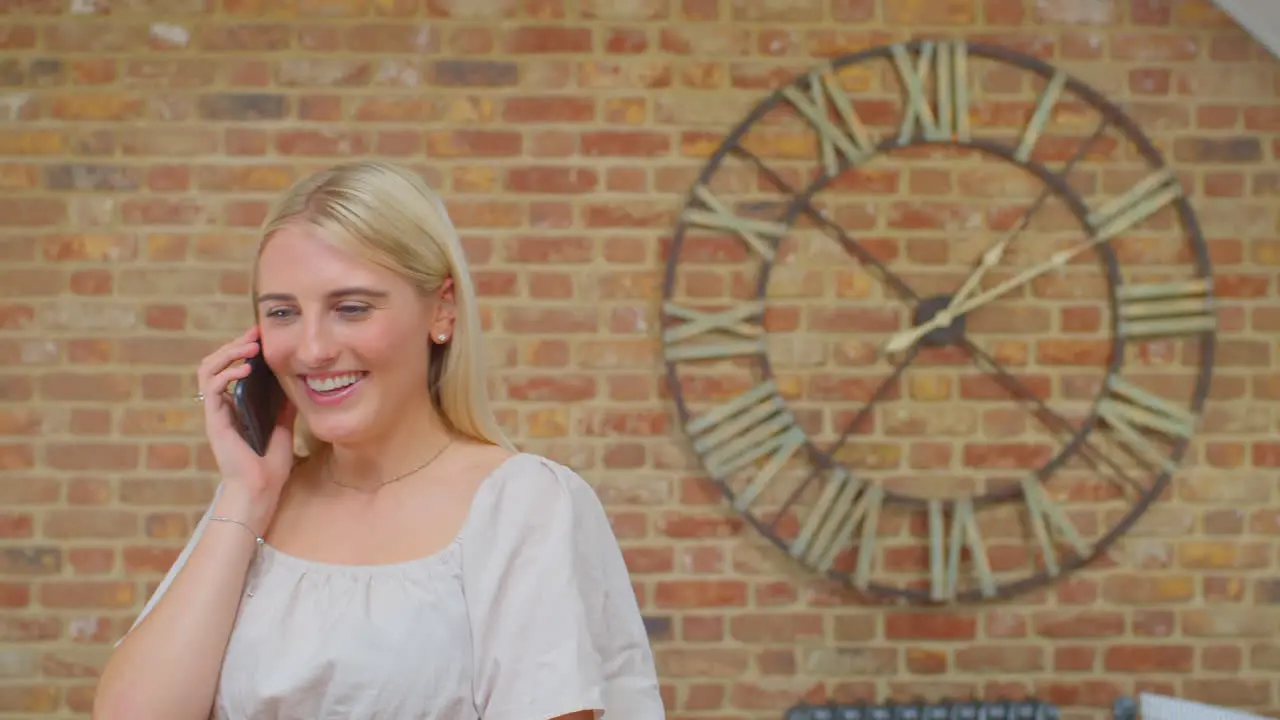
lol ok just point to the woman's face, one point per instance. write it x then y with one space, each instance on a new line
349 340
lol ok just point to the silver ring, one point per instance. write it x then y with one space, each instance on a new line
199 397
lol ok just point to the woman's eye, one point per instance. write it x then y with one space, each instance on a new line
279 313
352 310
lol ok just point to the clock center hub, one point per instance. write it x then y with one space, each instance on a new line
934 309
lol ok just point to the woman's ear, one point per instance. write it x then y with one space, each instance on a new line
444 311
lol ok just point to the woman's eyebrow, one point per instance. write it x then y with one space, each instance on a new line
331 295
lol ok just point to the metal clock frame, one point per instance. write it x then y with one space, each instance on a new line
1055 182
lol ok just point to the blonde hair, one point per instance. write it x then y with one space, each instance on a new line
388 215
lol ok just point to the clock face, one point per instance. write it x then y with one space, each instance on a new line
938 320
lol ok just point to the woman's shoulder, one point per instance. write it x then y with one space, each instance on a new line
543 512
531 481
530 496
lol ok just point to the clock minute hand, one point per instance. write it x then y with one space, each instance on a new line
908 337
991 258
1055 261
995 253
960 302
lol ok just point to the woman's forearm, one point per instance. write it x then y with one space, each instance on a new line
167 667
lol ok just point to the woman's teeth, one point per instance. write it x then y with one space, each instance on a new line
335 382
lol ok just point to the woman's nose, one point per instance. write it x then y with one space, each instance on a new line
316 348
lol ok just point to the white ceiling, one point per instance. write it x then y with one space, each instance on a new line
1261 18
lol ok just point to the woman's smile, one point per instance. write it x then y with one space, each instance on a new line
332 388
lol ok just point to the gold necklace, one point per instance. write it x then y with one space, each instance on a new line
328 474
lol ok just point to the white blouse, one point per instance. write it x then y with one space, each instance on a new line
528 614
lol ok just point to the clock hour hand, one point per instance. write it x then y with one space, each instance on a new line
992 256
989 259
906 338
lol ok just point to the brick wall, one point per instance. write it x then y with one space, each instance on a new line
140 141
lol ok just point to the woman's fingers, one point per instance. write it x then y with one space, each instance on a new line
217 387
222 381
221 367
235 349
222 358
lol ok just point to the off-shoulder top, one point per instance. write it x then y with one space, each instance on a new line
527 614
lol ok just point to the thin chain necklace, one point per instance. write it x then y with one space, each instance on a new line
328 474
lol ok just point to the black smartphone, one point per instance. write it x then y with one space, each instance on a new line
258 401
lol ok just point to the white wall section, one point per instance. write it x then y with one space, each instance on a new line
1261 18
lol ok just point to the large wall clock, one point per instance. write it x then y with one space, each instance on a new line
938 320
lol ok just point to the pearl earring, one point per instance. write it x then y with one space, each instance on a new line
442 337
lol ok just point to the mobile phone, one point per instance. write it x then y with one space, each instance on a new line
259 398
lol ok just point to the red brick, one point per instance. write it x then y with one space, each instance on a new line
169 142
552 180
700 593
547 39
17 37
1233 692
698 526
373 109
632 11
31 212
929 626
626 41
549 249
40 698
548 109
474 73
776 628
242 38
1149 658
932 12
97 456
318 143
1078 624
473 143
545 388
625 143
470 41
1001 659
83 595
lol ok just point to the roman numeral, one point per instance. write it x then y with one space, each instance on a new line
851 140
1044 109
1129 411
1048 520
743 430
733 321
1141 201
847 514
1165 309
948 119
762 236
944 551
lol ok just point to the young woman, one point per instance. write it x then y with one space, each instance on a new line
402 561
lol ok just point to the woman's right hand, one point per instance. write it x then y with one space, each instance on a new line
250 480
